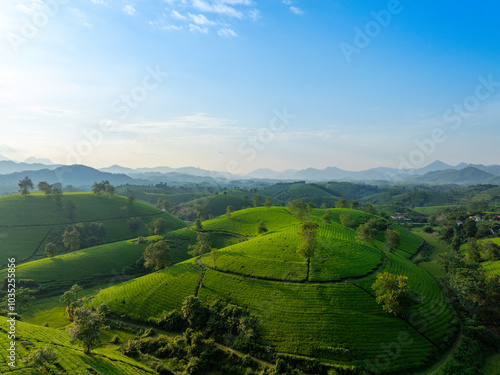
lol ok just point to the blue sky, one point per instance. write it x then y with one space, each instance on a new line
236 85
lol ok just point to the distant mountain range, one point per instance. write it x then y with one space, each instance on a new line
436 173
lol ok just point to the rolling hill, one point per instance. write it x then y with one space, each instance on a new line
28 223
322 307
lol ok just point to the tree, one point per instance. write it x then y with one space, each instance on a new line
299 209
131 199
41 360
341 202
25 185
194 312
157 226
45 187
369 209
57 195
470 228
354 204
308 232
198 225
257 200
86 329
202 245
367 232
157 255
269 202
393 293
134 223
110 189
71 239
392 239
70 209
50 249
215 254
456 243
473 250
346 221
490 251
327 217
229 211
70 300
261 227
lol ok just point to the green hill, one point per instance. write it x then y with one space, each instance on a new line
322 307
70 358
28 223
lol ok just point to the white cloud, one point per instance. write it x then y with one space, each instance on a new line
219 8
175 14
287 2
200 19
172 28
102 2
296 11
129 9
227 33
254 14
197 29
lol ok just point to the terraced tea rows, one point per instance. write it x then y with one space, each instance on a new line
70 359
152 294
82 266
337 322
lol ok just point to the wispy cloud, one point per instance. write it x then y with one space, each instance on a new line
296 11
227 33
129 9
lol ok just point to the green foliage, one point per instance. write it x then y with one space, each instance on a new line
198 226
346 221
25 186
261 227
367 232
134 224
86 328
257 200
194 312
71 239
307 232
157 255
327 217
157 226
393 293
51 250
299 209
229 211
41 360
202 245
45 187
392 239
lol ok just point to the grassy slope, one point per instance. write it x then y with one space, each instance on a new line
82 266
71 358
338 322
28 223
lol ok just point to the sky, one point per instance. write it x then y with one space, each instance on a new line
237 85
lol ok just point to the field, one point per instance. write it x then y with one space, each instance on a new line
150 295
70 359
83 266
321 307
27 224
